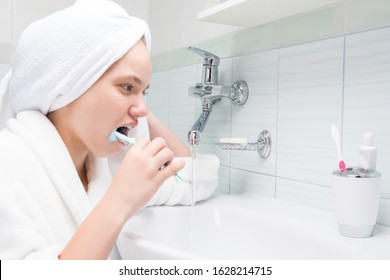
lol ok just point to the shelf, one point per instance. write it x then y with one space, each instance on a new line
248 13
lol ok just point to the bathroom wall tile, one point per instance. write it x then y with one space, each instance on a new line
310 100
218 125
363 14
260 71
161 62
220 46
319 24
255 39
304 193
182 108
4 69
183 57
175 59
223 181
367 99
242 181
384 212
245 41
158 95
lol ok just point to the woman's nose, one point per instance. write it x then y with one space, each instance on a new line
138 108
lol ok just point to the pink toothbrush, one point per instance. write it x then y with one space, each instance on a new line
336 138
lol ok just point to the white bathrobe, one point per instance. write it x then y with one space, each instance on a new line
42 200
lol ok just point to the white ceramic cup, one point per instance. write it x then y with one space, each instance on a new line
357 201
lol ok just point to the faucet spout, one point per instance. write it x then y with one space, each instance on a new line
200 124
193 137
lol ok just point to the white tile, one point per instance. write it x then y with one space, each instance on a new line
223 180
182 108
242 181
158 96
260 71
363 14
308 194
384 212
4 69
367 98
310 100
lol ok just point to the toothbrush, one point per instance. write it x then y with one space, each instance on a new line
336 138
115 136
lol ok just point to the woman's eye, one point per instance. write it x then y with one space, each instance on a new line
127 87
145 92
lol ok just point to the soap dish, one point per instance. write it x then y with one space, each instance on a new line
262 146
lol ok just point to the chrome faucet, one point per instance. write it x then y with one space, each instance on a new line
210 92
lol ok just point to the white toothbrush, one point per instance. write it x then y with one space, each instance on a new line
125 139
336 137
115 136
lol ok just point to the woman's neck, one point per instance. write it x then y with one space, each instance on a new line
76 149
79 160
79 157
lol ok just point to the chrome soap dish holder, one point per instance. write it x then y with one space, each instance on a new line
262 146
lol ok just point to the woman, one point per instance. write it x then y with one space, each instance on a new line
78 76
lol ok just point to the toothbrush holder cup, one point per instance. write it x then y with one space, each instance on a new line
357 201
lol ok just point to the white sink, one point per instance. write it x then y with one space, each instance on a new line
244 227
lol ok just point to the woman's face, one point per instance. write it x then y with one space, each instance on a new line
115 100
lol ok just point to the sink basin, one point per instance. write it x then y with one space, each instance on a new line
244 227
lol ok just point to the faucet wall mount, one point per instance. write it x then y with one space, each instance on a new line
209 87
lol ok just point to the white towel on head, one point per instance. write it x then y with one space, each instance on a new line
59 57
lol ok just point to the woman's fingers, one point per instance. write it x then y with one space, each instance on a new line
155 146
152 155
171 169
158 152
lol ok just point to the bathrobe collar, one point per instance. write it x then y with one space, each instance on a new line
41 136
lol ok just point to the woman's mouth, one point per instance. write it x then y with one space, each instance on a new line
123 130
121 135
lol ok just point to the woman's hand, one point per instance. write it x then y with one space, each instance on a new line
141 173
137 179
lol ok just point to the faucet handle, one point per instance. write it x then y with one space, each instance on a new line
209 58
210 66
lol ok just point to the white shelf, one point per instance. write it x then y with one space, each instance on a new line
246 13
